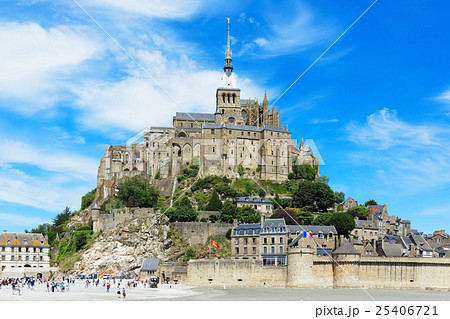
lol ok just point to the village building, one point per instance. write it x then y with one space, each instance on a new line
262 205
365 230
245 242
324 237
349 203
24 254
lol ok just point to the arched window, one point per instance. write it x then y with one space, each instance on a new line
223 97
229 96
234 98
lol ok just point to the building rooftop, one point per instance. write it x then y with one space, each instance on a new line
195 116
368 224
312 228
246 229
244 127
346 249
253 200
150 264
277 225
23 239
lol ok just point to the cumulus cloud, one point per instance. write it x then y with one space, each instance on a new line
137 101
35 61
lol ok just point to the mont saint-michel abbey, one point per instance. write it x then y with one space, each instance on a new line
238 132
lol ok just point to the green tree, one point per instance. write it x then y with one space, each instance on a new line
304 172
248 215
305 218
324 196
229 212
343 222
241 170
215 204
190 254
339 197
184 201
79 240
43 229
304 195
316 195
323 219
138 189
370 202
181 214
61 218
261 192
87 199
358 211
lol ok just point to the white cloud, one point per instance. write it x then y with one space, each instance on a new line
42 193
413 157
35 61
48 159
137 102
289 33
20 220
436 210
152 8
322 121
384 130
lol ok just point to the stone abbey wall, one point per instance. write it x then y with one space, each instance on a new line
105 220
198 233
306 270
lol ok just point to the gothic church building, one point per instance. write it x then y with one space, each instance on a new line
240 136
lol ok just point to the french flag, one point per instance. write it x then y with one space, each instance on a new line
307 235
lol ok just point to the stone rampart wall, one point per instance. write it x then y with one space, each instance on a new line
248 273
322 272
198 233
106 220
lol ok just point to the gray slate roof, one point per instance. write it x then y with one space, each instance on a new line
394 250
150 264
196 116
244 127
247 229
279 224
313 228
367 224
253 200
346 249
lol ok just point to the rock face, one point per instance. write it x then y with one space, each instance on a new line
122 250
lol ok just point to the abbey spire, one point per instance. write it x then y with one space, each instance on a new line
228 68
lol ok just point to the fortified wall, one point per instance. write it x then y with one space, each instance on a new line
198 233
106 220
306 270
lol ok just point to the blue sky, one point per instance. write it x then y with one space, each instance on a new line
377 105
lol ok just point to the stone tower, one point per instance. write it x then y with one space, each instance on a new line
300 264
228 95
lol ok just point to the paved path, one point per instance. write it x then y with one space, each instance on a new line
183 292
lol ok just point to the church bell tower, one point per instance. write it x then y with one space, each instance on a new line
228 95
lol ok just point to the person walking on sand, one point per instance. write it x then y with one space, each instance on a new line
123 293
118 291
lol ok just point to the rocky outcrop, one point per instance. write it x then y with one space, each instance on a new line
122 250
